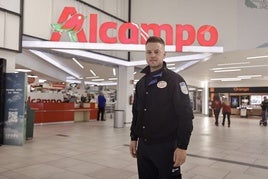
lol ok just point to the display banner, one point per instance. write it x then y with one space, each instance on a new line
15 109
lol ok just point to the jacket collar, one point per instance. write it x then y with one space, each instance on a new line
146 70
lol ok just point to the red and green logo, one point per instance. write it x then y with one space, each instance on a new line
69 22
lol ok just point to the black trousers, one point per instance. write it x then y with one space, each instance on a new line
217 113
228 118
101 113
155 161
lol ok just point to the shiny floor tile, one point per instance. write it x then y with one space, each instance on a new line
97 150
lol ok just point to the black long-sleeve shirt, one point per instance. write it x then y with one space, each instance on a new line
161 109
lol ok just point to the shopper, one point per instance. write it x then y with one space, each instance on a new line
264 108
162 117
101 106
216 106
226 111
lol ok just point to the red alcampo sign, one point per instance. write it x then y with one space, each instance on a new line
72 22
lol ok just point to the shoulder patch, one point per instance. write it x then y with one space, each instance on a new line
184 88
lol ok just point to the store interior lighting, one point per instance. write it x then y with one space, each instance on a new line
79 64
55 63
92 72
221 71
257 57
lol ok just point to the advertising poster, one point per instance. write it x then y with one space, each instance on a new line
14 116
234 101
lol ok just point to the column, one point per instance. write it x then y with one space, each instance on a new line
124 91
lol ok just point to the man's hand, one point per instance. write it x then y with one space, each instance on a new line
179 157
133 148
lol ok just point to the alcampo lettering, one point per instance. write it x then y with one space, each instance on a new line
185 35
38 100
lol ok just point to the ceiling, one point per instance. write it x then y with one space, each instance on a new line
201 70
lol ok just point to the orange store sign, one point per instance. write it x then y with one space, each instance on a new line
71 22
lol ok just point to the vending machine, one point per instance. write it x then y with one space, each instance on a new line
2 97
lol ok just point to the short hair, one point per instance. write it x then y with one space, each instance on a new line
155 39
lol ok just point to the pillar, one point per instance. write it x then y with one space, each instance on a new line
124 91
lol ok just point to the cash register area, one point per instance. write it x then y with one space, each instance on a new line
98 150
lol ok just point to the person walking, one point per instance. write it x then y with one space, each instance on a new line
226 112
162 117
264 108
216 106
101 106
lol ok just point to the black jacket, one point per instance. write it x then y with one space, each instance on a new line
161 108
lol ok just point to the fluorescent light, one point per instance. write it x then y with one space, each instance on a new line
109 83
41 80
70 77
97 79
252 66
170 64
225 79
73 81
219 71
248 76
114 72
79 64
256 57
23 70
112 79
241 63
32 76
238 78
231 79
192 89
92 72
91 77
171 68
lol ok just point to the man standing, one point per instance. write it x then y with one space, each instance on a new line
264 108
162 117
101 106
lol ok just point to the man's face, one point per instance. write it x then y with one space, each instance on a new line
155 54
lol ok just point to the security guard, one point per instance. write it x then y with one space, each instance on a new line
162 117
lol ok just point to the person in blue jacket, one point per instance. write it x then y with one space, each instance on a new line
162 117
101 106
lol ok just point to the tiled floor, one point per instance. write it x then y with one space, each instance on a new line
97 150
